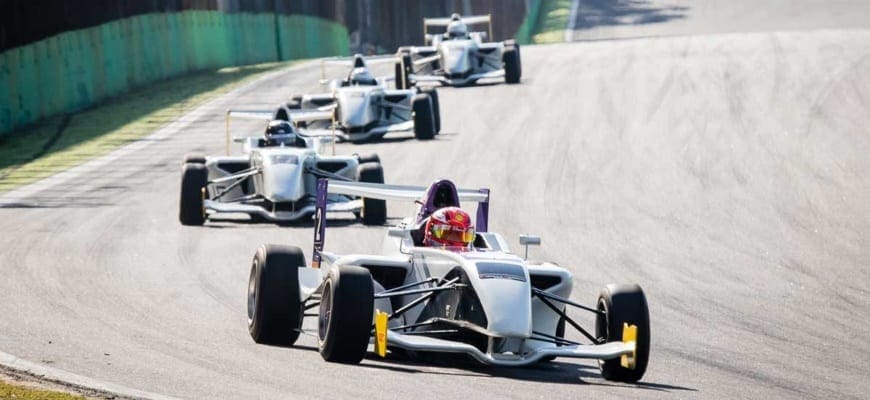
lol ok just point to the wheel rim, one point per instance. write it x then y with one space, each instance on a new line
325 311
252 292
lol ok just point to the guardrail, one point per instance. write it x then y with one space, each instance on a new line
76 69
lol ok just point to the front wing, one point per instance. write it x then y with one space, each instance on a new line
216 207
444 80
604 351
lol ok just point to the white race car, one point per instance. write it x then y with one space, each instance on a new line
483 301
275 177
365 107
458 57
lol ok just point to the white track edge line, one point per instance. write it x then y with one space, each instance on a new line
162 133
18 364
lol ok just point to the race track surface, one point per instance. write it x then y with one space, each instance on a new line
727 174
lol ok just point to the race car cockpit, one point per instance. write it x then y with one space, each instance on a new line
281 133
360 76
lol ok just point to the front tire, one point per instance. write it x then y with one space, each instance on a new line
346 311
194 178
424 124
512 66
374 211
436 107
274 309
618 305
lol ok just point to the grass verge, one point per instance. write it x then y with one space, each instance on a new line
552 21
59 143
14 391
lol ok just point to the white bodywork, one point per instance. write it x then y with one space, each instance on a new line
280 180
361 111
501 281
455 61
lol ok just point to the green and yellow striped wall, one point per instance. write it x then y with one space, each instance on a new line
75 69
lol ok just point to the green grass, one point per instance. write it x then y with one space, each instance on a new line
30 155
552 21
10 391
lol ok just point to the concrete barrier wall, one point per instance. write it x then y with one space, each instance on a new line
75 69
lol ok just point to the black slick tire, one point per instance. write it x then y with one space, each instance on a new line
345 318
368 158
620 304
436 107
274 309
512 66
194 178
194 158
374 211
403 70
424 124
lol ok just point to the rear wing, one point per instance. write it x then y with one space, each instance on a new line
266 115
357 61
469 20
385 192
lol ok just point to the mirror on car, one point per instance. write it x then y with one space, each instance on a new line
397 233
530 240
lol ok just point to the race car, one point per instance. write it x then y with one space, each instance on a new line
458 57
365 107
479 299
275 177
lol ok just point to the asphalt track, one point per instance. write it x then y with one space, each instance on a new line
726 173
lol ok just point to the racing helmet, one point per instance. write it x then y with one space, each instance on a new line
280 132
361 76
449 226
457 29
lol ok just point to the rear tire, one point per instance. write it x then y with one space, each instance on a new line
621 304
194 158
436 107
194 178
368 158
274 309
403 70
424 124
374 211
512 67
345 318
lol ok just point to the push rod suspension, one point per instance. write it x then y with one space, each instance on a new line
541 293
568 319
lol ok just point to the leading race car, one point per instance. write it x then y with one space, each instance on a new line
276 176
439 286
458 57
366 107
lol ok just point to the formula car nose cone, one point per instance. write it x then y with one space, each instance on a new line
504 290
283 182
355 108
456 58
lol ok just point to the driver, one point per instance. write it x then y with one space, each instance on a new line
361 76
449 227
457 29
282 133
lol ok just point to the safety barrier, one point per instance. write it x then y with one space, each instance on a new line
530 22
75 69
